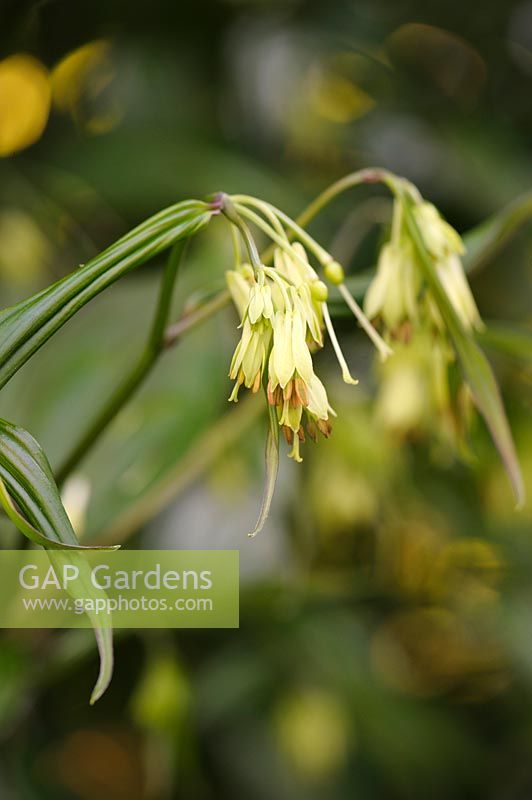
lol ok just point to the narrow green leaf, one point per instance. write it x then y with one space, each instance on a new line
476 368
83 589
511 341
104 642
272 468
26 478
32 533
25 327
487 238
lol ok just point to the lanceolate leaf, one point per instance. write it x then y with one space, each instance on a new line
26 478
477 370
26 326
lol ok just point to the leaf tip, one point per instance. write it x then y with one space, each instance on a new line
104 640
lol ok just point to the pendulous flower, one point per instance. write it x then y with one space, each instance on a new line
445 246
282 322
397 294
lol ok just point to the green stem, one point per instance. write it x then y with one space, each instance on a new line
284 243
241 203
363 176
189 321
154 346
229 211
370 175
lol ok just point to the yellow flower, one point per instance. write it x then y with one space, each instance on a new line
290 353
293 386
260 303
282 319
250 356
310 291
454 281
445 246
441 239
239 289
393 293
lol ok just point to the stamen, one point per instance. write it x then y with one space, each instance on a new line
301 391
288 390
288 434
256 383
312 430
324 426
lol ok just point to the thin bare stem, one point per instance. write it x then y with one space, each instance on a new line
132 381
363 176
189 321
384 349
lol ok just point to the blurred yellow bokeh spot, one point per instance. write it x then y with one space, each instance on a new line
25 98
24 249
78 82
338 99
314 733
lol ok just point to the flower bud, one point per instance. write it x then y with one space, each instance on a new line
319 291
334 272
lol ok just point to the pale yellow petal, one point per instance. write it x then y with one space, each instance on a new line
256 304
239 290
301 353
282 354
318 403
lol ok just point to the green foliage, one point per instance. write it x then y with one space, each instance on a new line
26 477
24 328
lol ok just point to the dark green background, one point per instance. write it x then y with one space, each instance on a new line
385 648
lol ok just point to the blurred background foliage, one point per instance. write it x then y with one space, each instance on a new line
385 647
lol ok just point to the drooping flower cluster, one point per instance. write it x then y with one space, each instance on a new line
418 387
419 303
284 314
398 295
419 298
282 321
